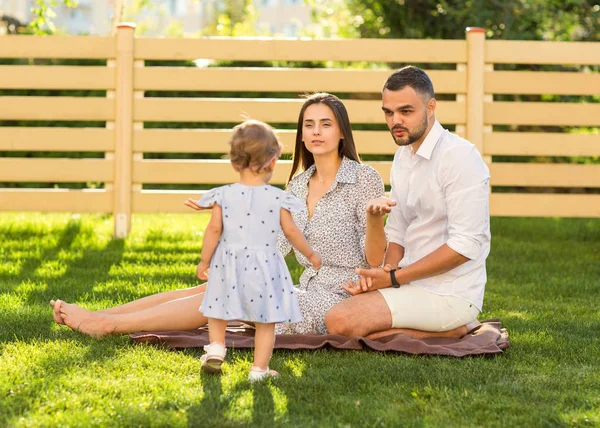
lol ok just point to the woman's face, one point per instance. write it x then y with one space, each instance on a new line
320 130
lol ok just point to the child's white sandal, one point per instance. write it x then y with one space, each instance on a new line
258 374
213 358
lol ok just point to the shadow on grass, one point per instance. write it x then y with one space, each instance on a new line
220 408
43 381
27 271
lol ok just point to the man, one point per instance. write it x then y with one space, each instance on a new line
438 234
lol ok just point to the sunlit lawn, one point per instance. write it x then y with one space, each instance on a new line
544 283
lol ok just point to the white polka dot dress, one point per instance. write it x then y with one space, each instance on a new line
249 280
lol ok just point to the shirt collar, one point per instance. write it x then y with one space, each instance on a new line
346 174
430 141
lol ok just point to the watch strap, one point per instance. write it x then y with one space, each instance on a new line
393 278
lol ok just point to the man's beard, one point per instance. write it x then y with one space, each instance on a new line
410 136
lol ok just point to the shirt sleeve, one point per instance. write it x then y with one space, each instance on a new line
464 180
396 225
370 186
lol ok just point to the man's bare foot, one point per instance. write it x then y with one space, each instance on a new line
84 321
56 311
472 325
457 333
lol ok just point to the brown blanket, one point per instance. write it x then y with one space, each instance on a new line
486 339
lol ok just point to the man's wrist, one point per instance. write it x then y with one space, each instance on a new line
393 280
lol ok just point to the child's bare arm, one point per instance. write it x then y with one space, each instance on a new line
297 239
211 238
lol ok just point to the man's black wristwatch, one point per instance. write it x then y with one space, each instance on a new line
393 278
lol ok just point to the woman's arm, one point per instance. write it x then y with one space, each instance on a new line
375 239
369 190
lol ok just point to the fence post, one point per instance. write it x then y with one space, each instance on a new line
475 85
123 129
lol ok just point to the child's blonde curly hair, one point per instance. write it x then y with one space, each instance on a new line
253 145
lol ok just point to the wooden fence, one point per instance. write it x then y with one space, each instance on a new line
467 90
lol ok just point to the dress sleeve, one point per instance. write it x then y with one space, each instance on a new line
291 203
213 196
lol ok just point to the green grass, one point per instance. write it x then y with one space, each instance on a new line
544 283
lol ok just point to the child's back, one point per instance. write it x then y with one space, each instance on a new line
249 279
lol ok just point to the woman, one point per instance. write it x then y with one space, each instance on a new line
336 188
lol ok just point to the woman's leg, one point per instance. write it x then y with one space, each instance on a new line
136 305
264 340
179 314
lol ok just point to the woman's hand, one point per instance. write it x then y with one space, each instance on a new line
193 205
202 271
380 206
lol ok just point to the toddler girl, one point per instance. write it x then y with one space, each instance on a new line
249 280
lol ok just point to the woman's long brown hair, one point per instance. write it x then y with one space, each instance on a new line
346 146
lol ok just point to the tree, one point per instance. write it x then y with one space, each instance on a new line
43 14
447 19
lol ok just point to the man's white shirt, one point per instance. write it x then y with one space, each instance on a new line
442 195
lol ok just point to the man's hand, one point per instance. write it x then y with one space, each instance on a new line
362 285
370 280
380 206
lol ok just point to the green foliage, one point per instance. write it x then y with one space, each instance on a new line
546 297
447 19
43 13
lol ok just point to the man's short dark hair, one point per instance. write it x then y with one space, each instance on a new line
410 76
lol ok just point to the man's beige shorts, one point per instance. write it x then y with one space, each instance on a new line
419 309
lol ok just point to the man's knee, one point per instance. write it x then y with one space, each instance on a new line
337 321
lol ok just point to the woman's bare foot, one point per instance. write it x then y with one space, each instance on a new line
84 321
56 311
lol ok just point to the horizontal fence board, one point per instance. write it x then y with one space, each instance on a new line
215 141
281 79
56 77
56 200
266 49
214 171
544 205
160 201
542 82
540 113
540 144
57 108
501 204
268 110
55 170
57 47
544 175
57 139
541 52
